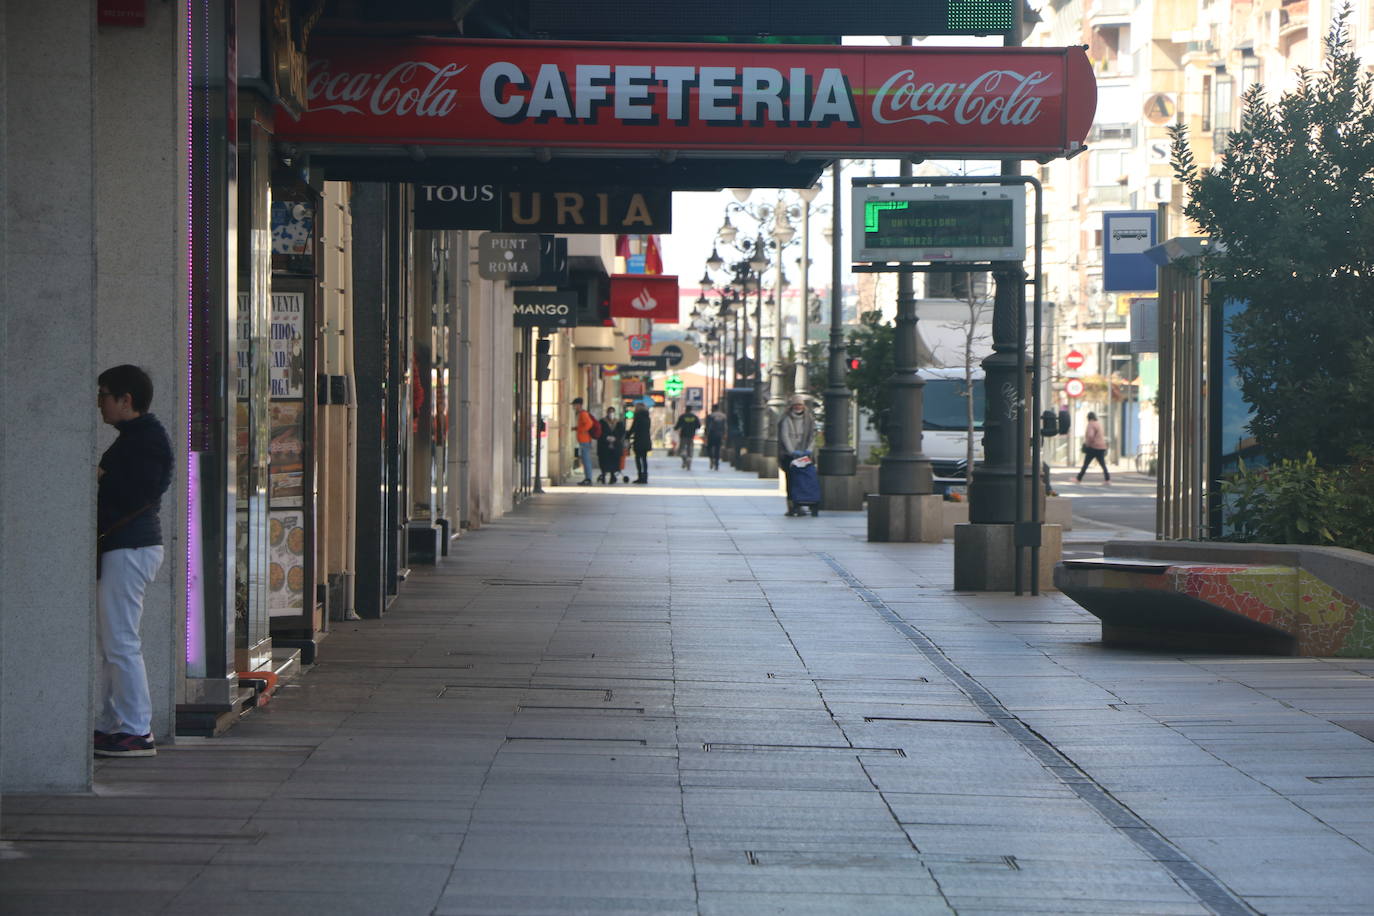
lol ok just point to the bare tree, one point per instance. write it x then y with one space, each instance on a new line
975 330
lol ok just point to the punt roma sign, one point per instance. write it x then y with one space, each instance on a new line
1037 102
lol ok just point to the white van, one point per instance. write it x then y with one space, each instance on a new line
945 430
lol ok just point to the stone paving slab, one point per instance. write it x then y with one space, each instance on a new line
668 699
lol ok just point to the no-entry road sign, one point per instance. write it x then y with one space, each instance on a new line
1074 360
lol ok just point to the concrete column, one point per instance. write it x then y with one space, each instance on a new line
992 494
48 359
141 290
905 508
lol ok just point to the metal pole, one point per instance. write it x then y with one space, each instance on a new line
1104 364
802 383
538 421
905 470
837 456
776 402
1037 458
758 424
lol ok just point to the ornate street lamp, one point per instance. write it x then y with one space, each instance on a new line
837 461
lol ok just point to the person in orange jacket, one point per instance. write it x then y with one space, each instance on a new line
585 422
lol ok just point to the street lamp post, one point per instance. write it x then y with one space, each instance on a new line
802 382
758 414
840 487
905 508
773 229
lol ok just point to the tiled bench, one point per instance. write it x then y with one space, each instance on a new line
1228 597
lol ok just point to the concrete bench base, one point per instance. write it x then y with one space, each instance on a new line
1206 597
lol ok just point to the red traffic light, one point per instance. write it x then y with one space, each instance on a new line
854 363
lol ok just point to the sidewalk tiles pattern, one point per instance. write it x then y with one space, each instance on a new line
672 699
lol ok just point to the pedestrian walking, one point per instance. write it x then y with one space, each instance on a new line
131 477
1094 448
716 425
610 446
586 425
686 428
796 439
641 441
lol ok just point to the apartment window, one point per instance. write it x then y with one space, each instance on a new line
1249 73
1222 110
1207 102
1108 166
957 285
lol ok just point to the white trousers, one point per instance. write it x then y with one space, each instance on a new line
124 577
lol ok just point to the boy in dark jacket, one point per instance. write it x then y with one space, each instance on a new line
133 474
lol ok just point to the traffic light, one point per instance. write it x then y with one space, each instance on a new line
854 363
1049 423
541 359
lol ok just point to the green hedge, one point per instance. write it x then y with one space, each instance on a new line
1297 501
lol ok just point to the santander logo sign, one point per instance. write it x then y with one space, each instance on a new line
644 302
793 98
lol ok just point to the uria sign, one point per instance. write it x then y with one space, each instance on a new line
1035 102
571 211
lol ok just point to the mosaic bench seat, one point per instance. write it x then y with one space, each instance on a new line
1219 597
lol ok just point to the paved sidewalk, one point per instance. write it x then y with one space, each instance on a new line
673 699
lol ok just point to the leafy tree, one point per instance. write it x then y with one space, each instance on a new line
1290 211
874 344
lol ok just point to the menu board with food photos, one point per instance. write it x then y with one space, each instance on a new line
285 452
286 562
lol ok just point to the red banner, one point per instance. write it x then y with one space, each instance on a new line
641 296
989 102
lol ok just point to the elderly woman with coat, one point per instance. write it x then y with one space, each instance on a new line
796 437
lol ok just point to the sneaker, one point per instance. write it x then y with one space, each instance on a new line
585 483
120 744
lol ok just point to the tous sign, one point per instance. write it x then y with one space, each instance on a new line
1001 101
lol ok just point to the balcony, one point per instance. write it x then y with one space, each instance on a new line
1292 24
1110 13
1109 194
1122 134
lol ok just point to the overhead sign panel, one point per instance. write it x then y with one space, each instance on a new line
593 18
940 223
570 211
1126 235
508 256
545 309
642 296
1027 102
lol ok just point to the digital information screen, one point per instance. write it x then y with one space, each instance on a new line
969 223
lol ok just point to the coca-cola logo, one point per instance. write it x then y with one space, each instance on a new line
994 97
409 88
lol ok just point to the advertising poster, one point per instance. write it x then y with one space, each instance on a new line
243 460
243 349
288 345
286 562
285 453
